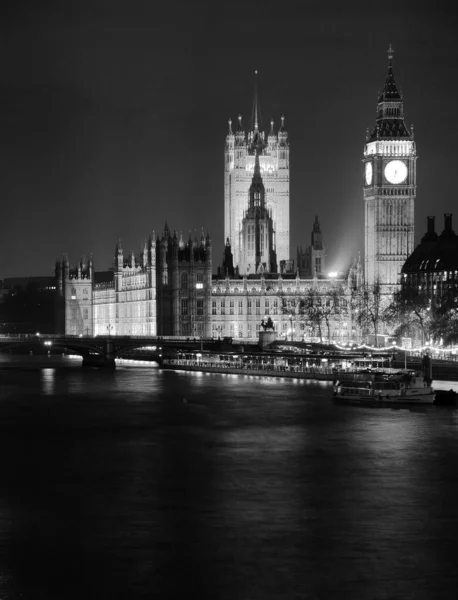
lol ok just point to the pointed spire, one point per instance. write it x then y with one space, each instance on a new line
230 127
390 110
256 119
272 130
390 91
390 53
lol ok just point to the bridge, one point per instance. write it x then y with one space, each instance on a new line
102 350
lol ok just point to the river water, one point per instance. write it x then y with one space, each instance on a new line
254 488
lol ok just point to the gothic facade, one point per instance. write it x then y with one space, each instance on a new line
164 291
169 290
240 154
389 188
240 304
311 261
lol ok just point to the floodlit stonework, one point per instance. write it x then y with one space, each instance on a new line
169 289
239 163
389 188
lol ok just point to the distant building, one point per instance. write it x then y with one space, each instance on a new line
27 304
432 268
389 188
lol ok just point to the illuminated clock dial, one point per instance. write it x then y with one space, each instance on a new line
368 172
396 171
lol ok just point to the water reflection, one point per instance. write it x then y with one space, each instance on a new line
48 381
254 488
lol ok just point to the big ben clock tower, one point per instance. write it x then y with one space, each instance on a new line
389 188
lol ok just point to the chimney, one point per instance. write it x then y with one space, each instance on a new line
448 221
430 224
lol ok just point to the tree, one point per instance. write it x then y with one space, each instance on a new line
331 307
315 309
409 312
444 326
367 304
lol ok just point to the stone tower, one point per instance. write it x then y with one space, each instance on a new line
258 252
239 162
389 188
74 297
311 261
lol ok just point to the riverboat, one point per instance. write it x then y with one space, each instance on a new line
384 387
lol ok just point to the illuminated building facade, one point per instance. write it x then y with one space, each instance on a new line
257 233
431 271
389 188
240 153
240 303
169 290
164 291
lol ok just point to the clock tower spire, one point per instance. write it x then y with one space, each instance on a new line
389 188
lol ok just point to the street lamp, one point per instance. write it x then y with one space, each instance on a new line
109 328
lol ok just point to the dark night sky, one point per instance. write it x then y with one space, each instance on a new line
113 116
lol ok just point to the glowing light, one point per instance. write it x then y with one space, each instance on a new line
333 274
427 346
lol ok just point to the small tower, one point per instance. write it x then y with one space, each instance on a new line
78 294
311 262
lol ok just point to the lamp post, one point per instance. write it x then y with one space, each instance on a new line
291 326
109 328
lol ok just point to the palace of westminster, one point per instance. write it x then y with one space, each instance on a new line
169 289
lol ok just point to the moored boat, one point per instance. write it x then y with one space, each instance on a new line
387 387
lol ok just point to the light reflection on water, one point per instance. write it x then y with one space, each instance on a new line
48 381
253 488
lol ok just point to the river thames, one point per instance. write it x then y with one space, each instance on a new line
254 488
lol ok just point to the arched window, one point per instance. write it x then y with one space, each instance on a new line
184 281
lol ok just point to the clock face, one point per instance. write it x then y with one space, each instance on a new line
396 171
368 172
